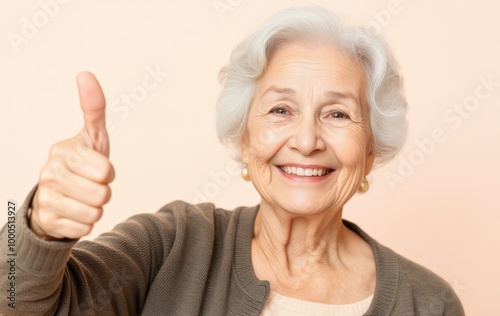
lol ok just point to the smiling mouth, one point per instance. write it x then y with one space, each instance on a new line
305 172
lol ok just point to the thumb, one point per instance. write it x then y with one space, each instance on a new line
93 106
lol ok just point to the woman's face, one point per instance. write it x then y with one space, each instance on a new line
308 142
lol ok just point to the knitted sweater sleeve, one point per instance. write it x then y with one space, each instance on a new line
108 276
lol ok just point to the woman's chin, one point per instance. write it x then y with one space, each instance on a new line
306 206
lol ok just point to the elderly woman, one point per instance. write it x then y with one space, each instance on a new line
309 107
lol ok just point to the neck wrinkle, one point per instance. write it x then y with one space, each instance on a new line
291 243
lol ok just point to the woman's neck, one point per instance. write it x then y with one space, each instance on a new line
304 253
291 241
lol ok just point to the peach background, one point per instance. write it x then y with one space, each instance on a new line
445 212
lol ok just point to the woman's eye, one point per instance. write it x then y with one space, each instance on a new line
339 115
282 111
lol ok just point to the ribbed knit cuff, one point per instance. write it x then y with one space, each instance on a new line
34 254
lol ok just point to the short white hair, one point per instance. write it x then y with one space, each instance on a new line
384 85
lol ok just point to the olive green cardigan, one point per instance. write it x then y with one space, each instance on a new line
183 260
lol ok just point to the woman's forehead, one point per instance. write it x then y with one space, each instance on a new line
296 67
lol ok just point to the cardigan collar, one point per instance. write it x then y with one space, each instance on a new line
257 291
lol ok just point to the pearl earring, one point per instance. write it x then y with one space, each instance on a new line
244 173
364 186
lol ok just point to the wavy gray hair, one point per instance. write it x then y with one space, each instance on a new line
384 88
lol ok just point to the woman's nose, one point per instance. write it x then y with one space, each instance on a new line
306 136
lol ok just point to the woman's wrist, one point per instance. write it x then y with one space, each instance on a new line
33 225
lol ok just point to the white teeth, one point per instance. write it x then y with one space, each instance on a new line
300 171
307 172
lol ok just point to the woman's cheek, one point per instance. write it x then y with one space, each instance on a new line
267 140
349 145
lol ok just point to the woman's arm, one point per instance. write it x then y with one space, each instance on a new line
108 276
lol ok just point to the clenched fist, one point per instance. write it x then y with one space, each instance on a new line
74 183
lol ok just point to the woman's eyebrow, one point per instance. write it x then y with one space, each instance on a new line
329 94
278 90
342 95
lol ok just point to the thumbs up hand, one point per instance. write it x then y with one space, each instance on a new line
74 183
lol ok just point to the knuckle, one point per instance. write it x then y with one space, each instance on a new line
57 150
95 214
46 176
107 194
106 172
103 194
109 169
47 222
43 198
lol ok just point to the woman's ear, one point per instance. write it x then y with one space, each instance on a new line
370 159
244 147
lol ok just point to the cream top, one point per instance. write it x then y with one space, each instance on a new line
279 305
